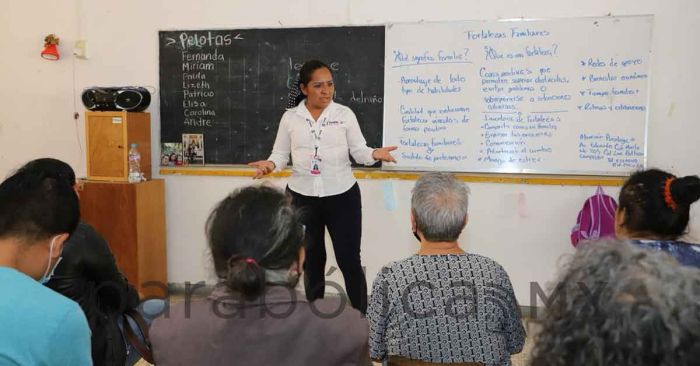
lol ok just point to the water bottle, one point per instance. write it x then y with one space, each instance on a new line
134 164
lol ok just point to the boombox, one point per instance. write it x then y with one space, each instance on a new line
127 98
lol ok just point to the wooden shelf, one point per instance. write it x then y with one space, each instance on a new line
109 136
131 217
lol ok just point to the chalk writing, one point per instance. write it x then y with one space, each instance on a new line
198 93
361 98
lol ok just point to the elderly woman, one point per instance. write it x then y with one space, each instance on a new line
654 211
619 305
443 305
254 316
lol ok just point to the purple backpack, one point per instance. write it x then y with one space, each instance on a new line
596 219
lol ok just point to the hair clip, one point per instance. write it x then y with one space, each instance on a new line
668 197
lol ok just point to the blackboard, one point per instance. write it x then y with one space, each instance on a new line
231 86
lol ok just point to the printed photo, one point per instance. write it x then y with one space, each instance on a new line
171 154
193 148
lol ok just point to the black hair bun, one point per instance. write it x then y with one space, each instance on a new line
686 190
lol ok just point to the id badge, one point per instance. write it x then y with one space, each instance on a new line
315 165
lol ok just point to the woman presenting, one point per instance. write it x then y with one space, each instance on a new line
318 134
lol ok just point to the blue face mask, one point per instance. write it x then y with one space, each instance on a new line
49 269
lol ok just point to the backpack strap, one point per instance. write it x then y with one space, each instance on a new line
607 203
143 348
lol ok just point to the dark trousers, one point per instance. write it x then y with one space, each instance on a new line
342 215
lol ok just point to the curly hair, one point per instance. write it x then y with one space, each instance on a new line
621 305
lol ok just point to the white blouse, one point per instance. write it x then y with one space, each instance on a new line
334 134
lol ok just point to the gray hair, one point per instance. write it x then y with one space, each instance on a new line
439 205
617 304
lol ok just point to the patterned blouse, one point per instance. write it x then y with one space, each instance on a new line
687 254
445 309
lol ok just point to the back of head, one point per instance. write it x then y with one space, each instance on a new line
657 203
621 305
439 204
50 168
252 230
34 206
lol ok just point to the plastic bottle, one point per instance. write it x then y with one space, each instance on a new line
135 175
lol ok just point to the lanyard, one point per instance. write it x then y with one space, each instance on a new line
317 134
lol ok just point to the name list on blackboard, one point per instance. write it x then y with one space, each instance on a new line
232 86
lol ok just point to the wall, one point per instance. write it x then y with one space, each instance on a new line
524 227
37 96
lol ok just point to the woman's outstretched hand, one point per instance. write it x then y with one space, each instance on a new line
384 154
264 167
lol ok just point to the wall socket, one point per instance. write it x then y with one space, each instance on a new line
80 49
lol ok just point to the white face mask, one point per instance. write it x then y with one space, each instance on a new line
49 270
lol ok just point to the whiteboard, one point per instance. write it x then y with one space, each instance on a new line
566 96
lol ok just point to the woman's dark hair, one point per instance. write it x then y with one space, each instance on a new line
653 208
35 205
304 77
618 305
251 230
49 167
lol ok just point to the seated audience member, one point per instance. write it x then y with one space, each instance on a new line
37 325
654 211
88 274
619 305
254 316
443 305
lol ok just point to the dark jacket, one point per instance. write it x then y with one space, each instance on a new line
279 328
88 274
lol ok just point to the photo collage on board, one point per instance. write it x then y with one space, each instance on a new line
188 152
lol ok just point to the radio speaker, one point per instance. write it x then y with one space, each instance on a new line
128 98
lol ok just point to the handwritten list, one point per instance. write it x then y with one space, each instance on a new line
200 60
557 96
